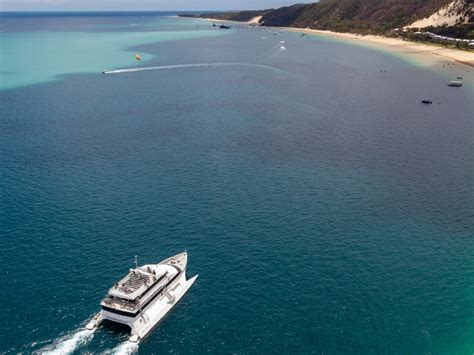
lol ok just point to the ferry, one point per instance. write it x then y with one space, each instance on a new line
144 296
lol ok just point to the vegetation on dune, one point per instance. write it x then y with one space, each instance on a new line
458 31
284 16
242 16
363 16
360 16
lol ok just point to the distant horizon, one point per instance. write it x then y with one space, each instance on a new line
115 11
141 5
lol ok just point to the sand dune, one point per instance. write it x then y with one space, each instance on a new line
448 16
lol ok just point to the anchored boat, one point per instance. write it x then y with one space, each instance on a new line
143 297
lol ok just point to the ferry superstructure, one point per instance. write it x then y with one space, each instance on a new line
145 295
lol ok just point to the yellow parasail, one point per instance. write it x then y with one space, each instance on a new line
138 57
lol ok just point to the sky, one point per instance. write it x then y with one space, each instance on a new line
138 5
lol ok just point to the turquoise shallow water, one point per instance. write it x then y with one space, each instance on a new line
32 57
325 209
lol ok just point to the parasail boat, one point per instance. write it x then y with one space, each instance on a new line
145 295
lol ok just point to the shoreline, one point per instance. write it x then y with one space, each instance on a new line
398 45
421 51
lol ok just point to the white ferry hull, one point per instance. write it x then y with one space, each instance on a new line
149 317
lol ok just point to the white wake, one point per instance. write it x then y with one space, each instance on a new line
69 343
125 348
197 65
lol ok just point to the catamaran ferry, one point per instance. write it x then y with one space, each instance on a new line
143 297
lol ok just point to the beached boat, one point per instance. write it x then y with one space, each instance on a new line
143 297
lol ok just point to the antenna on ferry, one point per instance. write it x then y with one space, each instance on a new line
136 261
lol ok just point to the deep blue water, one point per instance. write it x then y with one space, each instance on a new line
325 209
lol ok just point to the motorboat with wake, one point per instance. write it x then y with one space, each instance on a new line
145 295
455 83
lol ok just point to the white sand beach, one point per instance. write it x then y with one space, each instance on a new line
420 51
426 53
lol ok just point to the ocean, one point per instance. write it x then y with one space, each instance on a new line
325 209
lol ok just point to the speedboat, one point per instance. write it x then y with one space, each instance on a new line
144 296
455 83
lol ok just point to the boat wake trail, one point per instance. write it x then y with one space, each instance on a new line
270 54
69 343
197 65
125 348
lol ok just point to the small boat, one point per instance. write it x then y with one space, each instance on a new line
427 101
455 83
144 296
224 27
